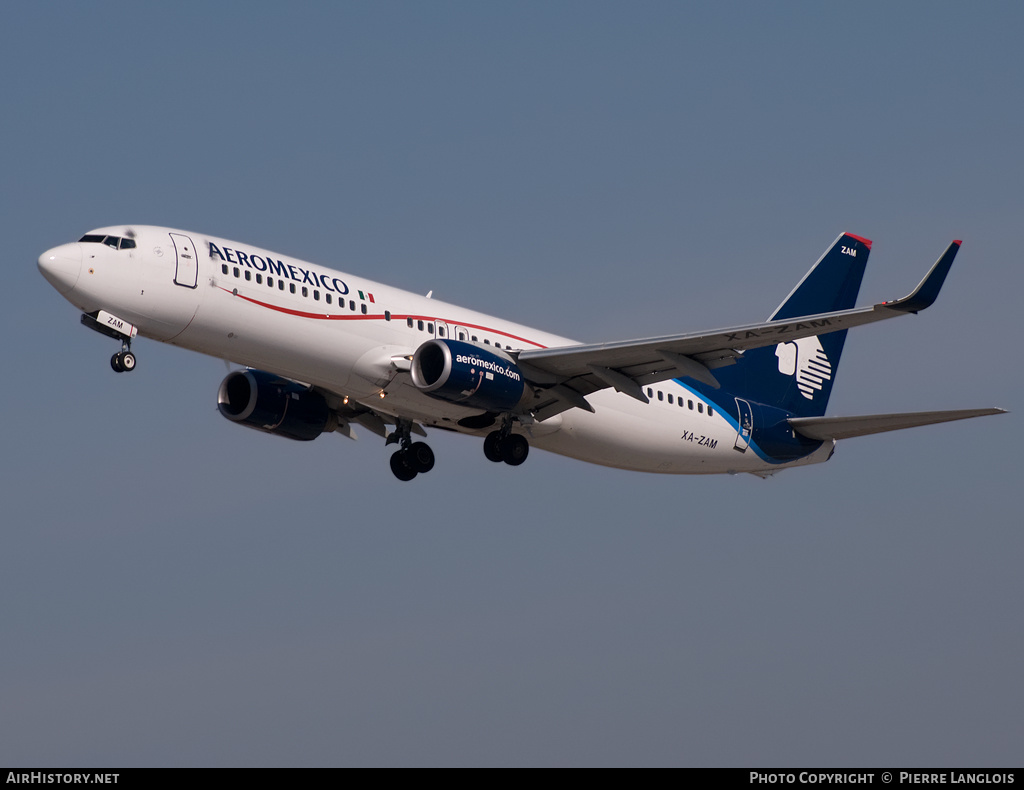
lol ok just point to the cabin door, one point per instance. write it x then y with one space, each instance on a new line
186 269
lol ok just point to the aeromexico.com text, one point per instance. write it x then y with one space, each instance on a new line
486 364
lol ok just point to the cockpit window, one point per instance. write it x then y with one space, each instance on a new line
111 241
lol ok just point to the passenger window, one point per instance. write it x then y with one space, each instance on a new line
462 335
236 272
710 412
650 393
280 285
409 322
419 325
259 279
670 397
661 395
430 327
328 298
223 268
248 274
363 309
700 408
474 338
691 405
440 331
291 287
316 296
387 313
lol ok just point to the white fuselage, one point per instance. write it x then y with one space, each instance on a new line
342 333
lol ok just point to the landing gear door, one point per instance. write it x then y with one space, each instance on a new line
186 270
745 421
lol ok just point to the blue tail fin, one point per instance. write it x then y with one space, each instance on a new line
798 376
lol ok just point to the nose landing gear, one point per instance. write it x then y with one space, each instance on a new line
110 325
124 360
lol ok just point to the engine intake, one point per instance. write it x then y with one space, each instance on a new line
274 404
468 374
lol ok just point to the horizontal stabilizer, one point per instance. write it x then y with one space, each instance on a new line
824 428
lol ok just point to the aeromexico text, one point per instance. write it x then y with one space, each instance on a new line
279 268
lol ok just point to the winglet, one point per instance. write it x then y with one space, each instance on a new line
928 289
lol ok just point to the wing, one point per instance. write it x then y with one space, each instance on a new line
566 375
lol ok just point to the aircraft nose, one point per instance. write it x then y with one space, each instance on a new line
61 266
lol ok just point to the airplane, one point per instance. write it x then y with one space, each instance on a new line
324 351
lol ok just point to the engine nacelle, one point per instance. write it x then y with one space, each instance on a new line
274 404
467 374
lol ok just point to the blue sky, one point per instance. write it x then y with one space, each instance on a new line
179 591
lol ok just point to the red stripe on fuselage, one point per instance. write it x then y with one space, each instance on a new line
376 317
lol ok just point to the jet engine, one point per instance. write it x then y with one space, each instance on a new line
467 374
274 404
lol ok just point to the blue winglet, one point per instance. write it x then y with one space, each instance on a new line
928 289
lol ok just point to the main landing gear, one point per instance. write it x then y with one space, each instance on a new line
506 446
124 360
413 458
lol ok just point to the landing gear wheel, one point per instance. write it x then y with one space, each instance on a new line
414 457
419 457
492 447
123 362
514 449
400 467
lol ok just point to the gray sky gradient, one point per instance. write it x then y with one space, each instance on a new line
179 591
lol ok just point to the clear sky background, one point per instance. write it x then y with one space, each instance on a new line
177 590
